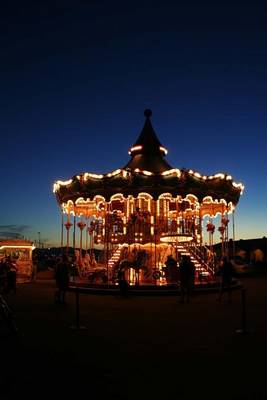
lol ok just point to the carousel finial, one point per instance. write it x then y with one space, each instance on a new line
147 113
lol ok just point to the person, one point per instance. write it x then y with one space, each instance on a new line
3 275
226 274
171 271
187 278
34 272
11 275
123 284
62 279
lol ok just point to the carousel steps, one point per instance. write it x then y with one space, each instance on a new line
116 255
200 267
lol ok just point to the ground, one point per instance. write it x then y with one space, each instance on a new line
136 348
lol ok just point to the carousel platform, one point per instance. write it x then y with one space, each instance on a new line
148 290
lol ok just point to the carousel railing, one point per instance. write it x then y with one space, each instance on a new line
203 254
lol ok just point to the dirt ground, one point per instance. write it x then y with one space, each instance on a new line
137 348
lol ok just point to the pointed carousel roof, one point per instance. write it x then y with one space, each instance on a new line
149 172
148 153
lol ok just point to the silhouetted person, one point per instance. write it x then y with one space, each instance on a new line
3 275
226 274
187 278
171 270
62 278
11 275
123 284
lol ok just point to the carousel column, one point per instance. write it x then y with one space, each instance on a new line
86 236
210 230
90 232
200 229
74 233
221 229
200 236
156 229
62 231
106 243
233 225
68 225
225 222
81 225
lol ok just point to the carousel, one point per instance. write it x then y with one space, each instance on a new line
144 213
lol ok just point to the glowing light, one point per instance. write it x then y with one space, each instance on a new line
175 238
31 247
116 172
117 196
172 171
238 186
96 176
144 195
222 176
135 148
165 196
165 151
147 173
57 184
207 199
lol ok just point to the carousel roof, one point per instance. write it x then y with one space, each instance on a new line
16 243
149 172
148 153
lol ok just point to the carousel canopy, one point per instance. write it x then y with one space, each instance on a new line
148 153
148 172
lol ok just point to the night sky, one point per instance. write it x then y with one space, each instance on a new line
77 75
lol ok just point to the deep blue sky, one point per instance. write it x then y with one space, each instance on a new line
77 75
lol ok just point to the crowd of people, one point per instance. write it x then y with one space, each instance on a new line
182 273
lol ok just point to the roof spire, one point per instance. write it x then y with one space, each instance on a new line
147 113
148 153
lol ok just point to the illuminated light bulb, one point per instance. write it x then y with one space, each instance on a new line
116 172
57 184
17 247
220 175
135 148
148 173
96 176
165 151
171 171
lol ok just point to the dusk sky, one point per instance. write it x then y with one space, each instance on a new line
77 75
